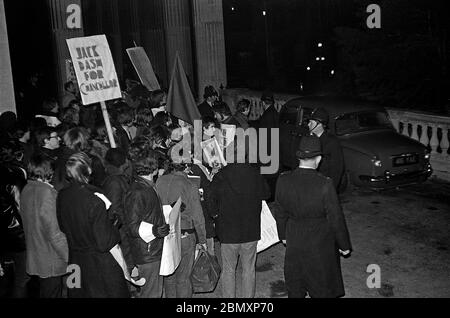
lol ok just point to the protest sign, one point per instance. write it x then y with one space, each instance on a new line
213 153
96 74
143 68
94 68
269 232
228 131
171 254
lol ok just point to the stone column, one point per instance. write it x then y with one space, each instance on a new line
112 30
178 35
153 38
66 23
209 44
135 22
6 81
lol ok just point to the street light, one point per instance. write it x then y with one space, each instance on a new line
264 13
308 68
319 44
232 8
332 72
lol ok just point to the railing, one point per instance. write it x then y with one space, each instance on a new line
431 130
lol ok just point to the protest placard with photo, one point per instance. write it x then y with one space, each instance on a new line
213 153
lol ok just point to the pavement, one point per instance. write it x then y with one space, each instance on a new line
403 232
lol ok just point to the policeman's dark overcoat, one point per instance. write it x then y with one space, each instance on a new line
332 164
310 218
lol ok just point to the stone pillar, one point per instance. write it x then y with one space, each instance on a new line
153 38
6 81
135 22
66 23
112 30
209 44
178 35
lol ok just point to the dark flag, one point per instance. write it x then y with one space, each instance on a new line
180 101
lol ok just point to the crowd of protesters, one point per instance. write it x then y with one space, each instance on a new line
69 198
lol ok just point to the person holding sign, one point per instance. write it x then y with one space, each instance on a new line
311 224
145 220
236 194
170 187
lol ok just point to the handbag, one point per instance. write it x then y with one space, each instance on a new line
205 272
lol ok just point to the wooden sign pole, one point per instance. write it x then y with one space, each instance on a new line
108 125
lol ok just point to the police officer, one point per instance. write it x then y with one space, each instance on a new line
312 226
332 164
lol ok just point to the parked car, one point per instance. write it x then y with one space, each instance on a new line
375 154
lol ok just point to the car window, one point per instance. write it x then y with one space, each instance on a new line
362 121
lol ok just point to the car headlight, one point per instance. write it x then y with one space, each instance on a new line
376 162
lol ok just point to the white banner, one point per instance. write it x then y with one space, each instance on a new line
269 232
171 254
94 68
143 68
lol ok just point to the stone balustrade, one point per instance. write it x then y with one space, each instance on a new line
431 130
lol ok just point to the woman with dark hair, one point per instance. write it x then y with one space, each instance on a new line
77 140
144 117
82 216
47 250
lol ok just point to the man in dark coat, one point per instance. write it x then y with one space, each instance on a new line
332 163
115 187
236 195
269 120
211 96
311 224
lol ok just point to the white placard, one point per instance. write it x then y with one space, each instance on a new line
94 68
171 254
269 232
143 68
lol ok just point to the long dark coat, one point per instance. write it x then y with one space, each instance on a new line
310 218
82 216
235 195
332 164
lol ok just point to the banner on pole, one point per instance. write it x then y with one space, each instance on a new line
143 68
94 69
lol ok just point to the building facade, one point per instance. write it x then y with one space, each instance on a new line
193 28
